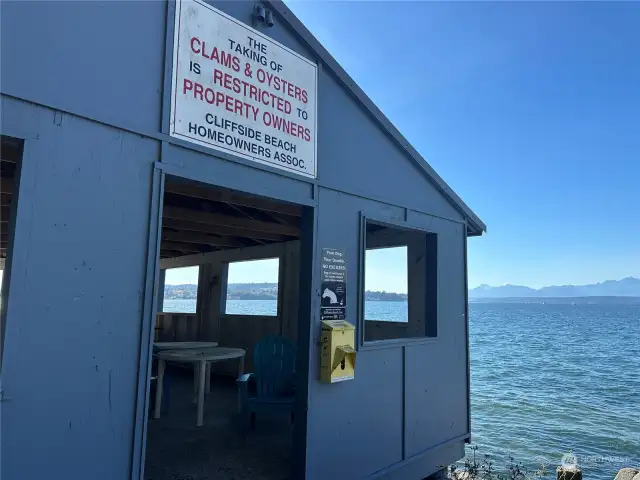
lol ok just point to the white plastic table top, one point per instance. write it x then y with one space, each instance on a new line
210 354
183 345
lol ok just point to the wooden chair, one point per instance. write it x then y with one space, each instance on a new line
274 359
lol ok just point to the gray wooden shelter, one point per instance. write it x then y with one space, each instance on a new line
85 106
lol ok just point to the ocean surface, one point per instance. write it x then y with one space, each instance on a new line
547 380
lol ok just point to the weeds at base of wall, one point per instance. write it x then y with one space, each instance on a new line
475 468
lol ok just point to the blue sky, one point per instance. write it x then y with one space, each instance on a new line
530 111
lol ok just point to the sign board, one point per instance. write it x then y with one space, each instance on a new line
333 304
236 90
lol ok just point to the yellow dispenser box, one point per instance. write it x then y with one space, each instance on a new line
337 351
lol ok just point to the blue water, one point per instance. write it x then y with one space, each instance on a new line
546 380
392 311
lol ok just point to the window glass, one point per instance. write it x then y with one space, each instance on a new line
400 283
385 283
252 287
180 290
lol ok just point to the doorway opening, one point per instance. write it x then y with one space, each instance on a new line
224 383
10 163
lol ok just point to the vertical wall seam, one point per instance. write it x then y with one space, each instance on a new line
404 402
167 67
466 325
147 320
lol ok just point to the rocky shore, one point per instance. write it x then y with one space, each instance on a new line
628 473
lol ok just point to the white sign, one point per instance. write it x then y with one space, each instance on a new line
235 89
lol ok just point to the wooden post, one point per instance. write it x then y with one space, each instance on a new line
437 475
568 472
202 369
240 373
159 387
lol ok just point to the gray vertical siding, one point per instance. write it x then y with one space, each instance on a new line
75 300
205 168
75 307
436 373
406 401
99 59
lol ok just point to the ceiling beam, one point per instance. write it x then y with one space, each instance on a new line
5 214
202 239
6 185
10 153
181 247
170 254
219 195
209 218
220 230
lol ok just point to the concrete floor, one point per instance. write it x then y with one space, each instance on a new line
221 448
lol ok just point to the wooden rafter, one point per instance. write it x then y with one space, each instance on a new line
247 224
221 230
5 214
181 247
247 214
5 199
202 239
170 253
219 195
10 153
6 185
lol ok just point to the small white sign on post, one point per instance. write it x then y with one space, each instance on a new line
236 90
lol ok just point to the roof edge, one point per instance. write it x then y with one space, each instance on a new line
474 222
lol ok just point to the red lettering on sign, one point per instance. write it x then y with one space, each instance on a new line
187 85
223 58
237 104
198 90
195 45
217 76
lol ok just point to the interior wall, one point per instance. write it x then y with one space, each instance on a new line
177 327
241 331
244 331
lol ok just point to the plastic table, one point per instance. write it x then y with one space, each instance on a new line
158 346
200 358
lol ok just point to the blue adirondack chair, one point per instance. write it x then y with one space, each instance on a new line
274 359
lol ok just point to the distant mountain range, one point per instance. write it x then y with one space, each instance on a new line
627 287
